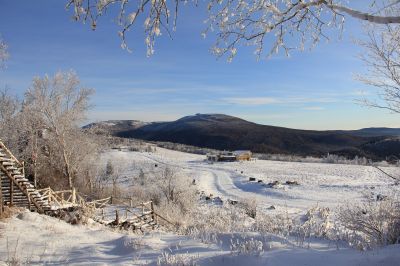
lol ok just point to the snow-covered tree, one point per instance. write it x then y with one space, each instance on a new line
59 105
175 188
3 52
286 24
382 57
9 108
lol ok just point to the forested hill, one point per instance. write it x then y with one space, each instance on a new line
225 132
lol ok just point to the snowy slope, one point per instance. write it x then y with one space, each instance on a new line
39 239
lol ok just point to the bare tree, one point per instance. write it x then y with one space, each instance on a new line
176 189
114 173
3 52
382 57
289 24
59 104
9 108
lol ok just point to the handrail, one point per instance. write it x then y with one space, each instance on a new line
10 154
163 218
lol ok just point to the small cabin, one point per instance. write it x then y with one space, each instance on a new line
227 156
243 155
212 157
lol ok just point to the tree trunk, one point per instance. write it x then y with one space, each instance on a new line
1 198
67 167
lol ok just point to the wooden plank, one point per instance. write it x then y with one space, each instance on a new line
12 194
2 168
8 152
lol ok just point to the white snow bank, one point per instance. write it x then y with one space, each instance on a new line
37 239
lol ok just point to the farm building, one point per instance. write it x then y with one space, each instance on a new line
221 157
243 155
226 156
212 157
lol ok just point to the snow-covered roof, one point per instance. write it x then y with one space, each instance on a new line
240 152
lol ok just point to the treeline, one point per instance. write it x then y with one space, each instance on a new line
329 158
43 129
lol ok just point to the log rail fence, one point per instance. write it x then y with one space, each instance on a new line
17 190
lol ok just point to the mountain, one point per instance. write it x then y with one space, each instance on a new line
115 126
223 132
373 132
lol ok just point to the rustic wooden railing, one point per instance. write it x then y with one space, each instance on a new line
69 198
132 218
21 164
59 199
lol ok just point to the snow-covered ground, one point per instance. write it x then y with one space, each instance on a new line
38 239
30 238
328 185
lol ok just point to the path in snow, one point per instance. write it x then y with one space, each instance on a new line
328 185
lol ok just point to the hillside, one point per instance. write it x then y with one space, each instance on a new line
373 132
115 126
225 132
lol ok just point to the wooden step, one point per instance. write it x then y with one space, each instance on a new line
16 203
16 193
15 197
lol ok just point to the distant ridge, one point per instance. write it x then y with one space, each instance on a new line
219 131
373 132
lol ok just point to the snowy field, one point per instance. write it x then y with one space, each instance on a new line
36 239
328 185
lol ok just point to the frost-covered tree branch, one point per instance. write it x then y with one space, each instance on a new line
286 24
383 60
278 24
3 52
156 15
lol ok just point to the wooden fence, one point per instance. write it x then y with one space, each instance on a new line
69 198
138 217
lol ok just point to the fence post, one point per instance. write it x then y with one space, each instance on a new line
116 217
49 199
152 210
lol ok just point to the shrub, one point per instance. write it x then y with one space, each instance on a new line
250 207
169 259
247 247
371 224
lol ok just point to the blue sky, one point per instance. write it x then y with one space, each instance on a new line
309 90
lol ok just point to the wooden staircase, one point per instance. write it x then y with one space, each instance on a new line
16 190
